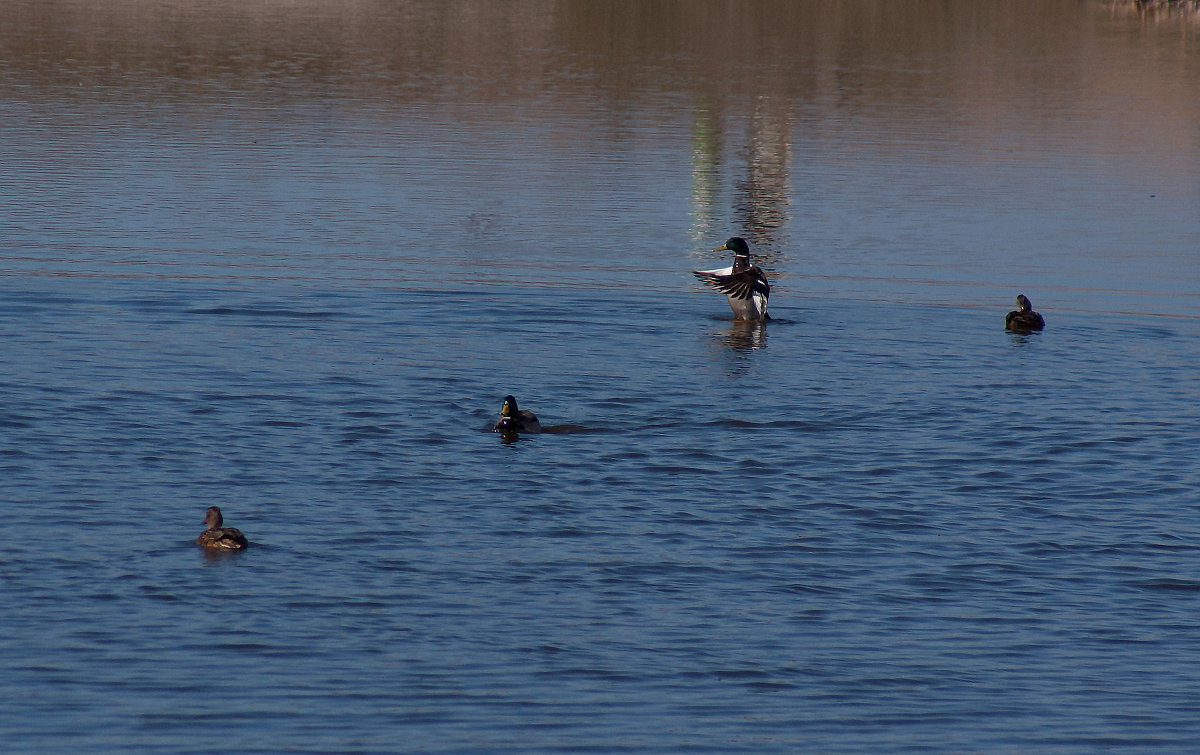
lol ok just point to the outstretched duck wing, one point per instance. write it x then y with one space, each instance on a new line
740 285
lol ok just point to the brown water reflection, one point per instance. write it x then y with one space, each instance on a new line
832 135
748 57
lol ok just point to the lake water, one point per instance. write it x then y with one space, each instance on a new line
288 257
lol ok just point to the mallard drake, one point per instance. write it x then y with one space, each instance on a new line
1023 319
745 284
218 537
516 420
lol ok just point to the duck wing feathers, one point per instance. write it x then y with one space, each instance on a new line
740 285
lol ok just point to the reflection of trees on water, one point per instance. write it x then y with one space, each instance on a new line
706 176
1159 9
761 204
758 209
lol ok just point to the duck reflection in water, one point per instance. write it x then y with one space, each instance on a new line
744 336
739 342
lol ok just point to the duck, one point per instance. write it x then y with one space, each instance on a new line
217 537
1023 319
744 283
513 419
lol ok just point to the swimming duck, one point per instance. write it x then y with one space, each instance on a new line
1023 319
745 284
218 537
516 420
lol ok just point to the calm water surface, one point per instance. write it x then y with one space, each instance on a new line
287 258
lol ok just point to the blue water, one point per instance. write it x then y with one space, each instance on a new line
877 522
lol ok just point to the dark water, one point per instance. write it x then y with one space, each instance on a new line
287 258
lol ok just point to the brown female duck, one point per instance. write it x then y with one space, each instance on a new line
218 537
